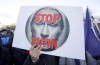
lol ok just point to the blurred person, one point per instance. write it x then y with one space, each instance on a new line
5 39
6 43
5 58
35 58
18 56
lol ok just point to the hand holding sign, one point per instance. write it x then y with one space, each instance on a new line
35 52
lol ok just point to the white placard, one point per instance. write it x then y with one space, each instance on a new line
59 29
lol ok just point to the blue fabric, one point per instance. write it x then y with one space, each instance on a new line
5 40
92 44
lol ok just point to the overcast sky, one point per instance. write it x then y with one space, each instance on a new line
9 9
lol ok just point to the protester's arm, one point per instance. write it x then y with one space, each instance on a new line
33 58
30 62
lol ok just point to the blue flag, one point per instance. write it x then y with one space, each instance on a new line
92 41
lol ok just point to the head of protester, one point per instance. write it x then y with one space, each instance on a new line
5 38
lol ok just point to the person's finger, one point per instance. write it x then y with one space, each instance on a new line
32 47
40 49
39 54
37 48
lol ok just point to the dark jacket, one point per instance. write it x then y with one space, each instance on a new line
43 60
4 56
18 56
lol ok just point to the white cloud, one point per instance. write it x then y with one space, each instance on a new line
9 9
8 14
